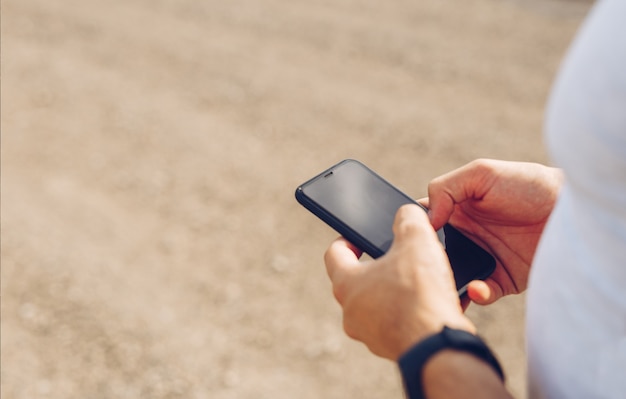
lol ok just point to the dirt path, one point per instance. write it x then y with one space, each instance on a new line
151 245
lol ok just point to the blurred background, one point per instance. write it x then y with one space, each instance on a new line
151 243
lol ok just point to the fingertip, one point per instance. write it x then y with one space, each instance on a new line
437 214
481 292
412 212
410 221
441 194
425 202
343 243
437 219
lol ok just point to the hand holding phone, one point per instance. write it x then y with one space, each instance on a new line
361 206
384 305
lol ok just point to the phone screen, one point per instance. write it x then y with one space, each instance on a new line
361 206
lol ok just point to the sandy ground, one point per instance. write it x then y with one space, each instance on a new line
151 244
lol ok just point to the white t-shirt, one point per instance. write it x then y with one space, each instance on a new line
576 320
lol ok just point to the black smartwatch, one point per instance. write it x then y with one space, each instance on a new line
412 362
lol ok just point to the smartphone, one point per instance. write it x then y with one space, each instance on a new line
361 206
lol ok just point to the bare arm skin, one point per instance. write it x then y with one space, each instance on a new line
453 374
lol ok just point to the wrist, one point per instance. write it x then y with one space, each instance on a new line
405 340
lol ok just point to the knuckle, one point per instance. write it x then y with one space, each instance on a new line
328 256
350 330
339 292
411 221
407 228
482 164
342 288
435 183
330 260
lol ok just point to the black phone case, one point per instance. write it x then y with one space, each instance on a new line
348 233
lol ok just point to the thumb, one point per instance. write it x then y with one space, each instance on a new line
411 223
441 206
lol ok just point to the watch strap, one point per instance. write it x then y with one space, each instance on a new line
412 362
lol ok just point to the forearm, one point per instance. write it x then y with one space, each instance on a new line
456 374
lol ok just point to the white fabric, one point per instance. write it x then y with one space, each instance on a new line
576 315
